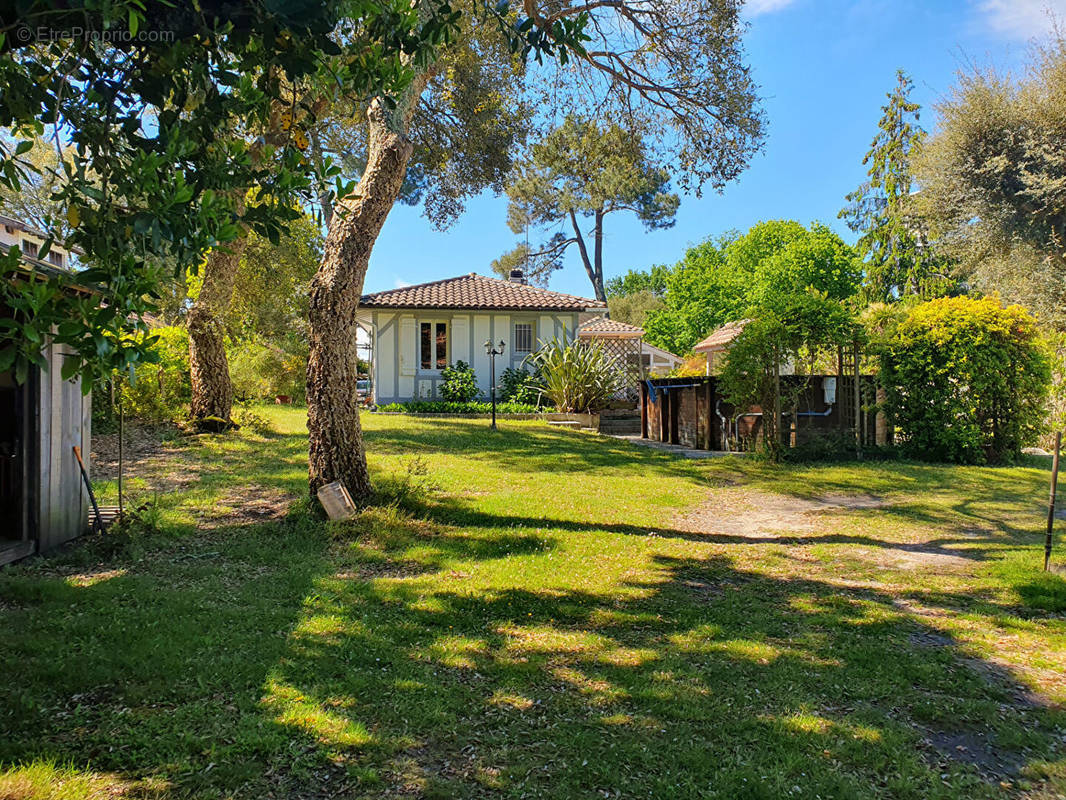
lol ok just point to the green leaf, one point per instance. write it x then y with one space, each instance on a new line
70 368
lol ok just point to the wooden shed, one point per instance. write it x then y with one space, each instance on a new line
692 412
43 501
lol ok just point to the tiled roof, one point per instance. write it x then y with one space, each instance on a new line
603 328
478 292
721 338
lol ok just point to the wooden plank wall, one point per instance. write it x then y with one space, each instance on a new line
64 420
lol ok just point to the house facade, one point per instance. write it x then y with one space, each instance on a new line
417 331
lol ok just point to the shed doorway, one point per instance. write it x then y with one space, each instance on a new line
17 538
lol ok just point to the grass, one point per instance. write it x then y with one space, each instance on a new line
534 615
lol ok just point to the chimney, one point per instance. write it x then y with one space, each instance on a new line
517 276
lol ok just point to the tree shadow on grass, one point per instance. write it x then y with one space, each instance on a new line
708 681
528 448
975 545
256 665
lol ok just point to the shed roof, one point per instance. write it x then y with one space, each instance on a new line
475 291
604 328
720 339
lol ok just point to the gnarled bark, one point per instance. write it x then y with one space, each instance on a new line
212 390
336 439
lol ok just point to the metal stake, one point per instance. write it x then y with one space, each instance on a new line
1051 501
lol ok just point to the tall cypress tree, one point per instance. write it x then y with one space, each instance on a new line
897 258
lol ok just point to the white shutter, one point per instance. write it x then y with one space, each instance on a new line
461 339
408 352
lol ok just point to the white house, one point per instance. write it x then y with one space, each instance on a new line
416 331
14 233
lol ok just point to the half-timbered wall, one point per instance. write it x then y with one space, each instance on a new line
399 374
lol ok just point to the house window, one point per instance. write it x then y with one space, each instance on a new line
55 258
523 337
433 345
29 248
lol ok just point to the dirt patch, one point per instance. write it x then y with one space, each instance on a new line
911 556
150 453
975 748
246 505
759 515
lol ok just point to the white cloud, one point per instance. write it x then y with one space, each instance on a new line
402 284
756 8
1021 19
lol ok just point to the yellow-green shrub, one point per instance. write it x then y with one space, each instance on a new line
967 380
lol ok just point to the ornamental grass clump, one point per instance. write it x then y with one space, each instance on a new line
577 377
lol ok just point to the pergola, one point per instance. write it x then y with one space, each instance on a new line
622 341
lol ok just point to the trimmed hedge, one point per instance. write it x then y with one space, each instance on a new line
473 407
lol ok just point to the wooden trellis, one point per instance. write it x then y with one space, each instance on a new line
625 344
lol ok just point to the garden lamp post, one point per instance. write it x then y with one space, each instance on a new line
493 352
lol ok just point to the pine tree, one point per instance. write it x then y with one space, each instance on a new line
897 257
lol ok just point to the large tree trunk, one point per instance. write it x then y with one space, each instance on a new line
336 439
212 390
594 269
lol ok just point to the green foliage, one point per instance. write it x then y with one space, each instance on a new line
634 308
248 418
145 181
158 391
472 407
519 385
737 277
967 380
262 370
634 281
992 188
577 376
583 169
271 291
458 383
897 257
808 325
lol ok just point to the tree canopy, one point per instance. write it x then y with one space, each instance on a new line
740 276
897 257
583 171
144 180
992 187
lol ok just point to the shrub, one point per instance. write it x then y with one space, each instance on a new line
518 385
154 392
261 371
250 420
966 380
446 407
578 377
458 384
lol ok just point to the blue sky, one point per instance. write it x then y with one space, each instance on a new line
824 67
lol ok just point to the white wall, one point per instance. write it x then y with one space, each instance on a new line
398 375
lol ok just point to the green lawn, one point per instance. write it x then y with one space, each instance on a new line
541 613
